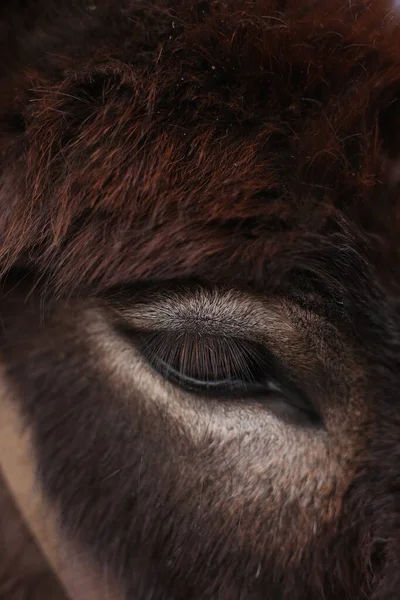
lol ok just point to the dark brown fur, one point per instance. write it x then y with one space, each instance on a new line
249 145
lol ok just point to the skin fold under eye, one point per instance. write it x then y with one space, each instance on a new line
227 368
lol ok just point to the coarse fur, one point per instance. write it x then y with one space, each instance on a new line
224 168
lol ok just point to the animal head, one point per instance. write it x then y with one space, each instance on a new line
198 240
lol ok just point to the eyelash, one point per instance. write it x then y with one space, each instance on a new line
220 367
205 364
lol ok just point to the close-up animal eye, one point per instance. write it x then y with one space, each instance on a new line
208 365
199 299
221 367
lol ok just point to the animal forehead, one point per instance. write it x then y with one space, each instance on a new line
210 135
229 117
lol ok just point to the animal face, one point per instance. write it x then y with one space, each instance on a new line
200 307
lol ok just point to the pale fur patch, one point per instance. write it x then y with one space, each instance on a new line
78 575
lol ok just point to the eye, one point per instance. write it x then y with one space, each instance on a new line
205 364
227 368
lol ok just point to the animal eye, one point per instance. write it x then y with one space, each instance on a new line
204 363
220 367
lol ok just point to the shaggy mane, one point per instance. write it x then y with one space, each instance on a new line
231 137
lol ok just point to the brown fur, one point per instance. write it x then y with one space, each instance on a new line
213 128
247 146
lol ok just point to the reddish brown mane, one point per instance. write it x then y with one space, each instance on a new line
219 134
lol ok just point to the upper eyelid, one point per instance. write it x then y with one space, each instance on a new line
229 313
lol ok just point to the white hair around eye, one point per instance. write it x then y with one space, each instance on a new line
210 311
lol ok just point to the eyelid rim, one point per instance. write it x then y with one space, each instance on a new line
236 390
